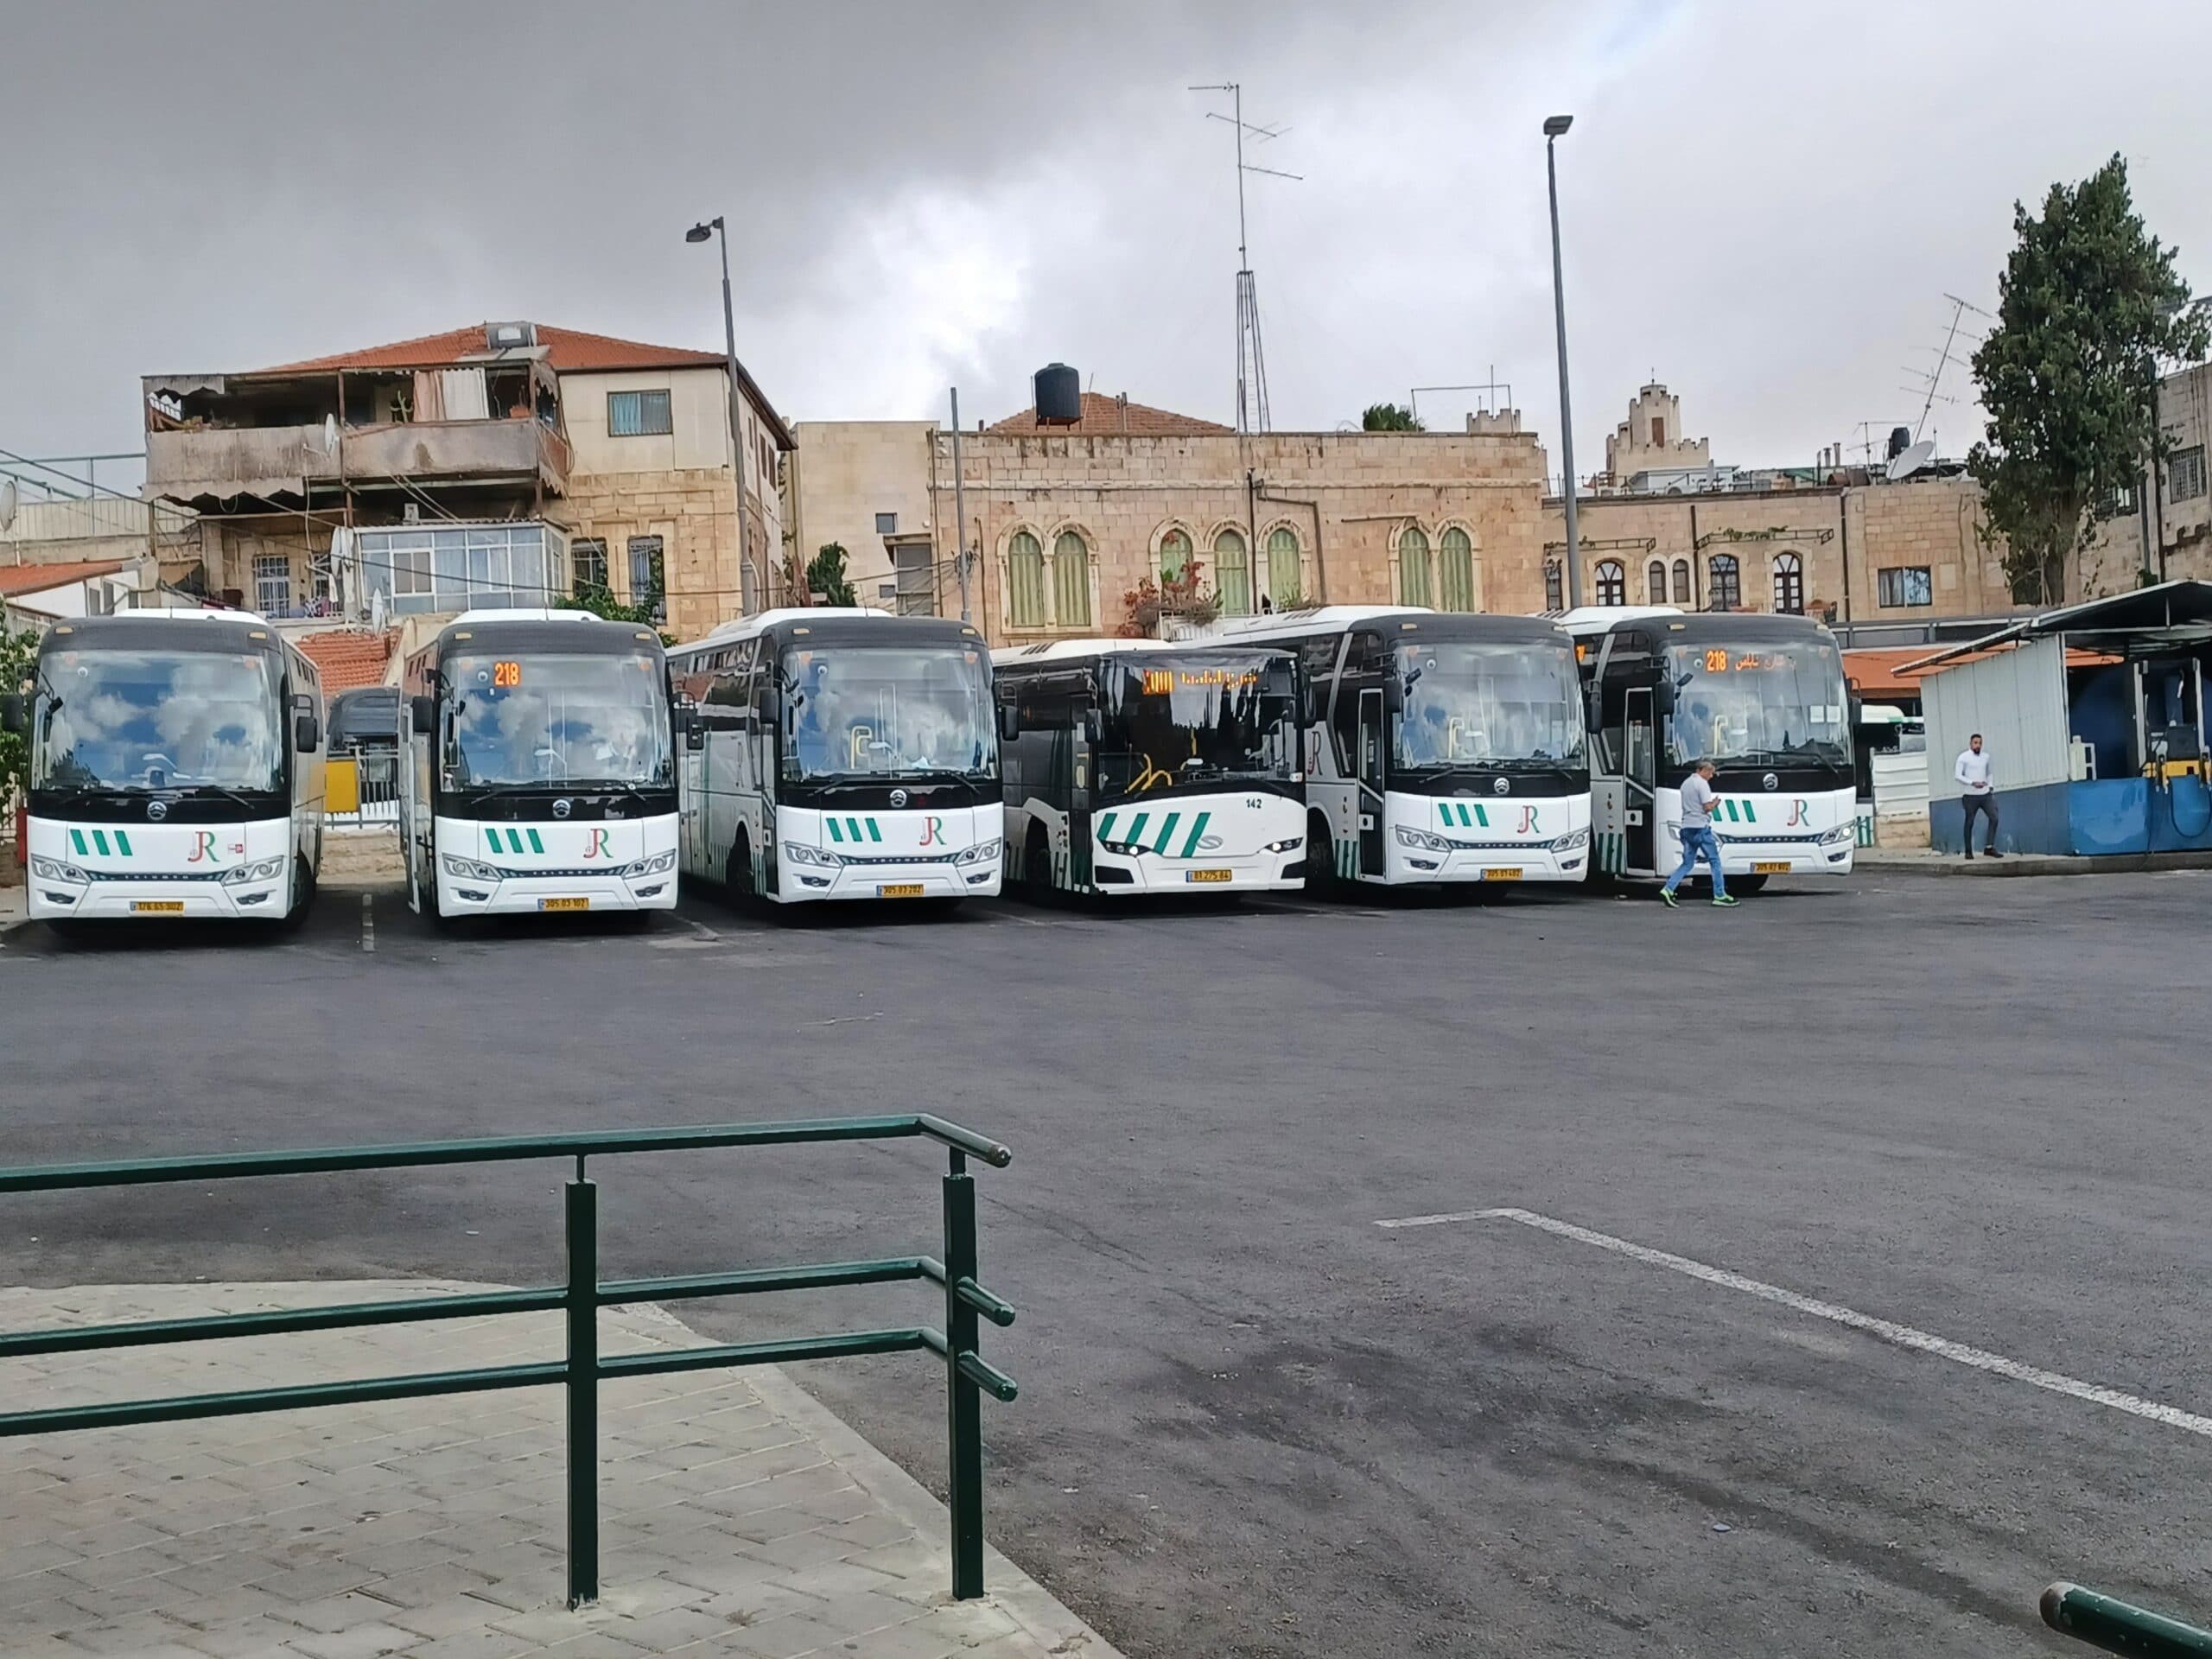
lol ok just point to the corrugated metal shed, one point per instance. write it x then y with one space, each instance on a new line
2017 700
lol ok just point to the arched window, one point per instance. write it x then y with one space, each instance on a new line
1284 587
1070 580
1455 571
1612 583
1724 586
1025 581
1413 585
1554 597
1175 553
1788 584
1232 573
1654 582
1682 582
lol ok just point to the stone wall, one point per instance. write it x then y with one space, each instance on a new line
690 510
842 475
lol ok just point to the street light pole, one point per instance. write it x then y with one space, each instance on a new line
699 234
1553 126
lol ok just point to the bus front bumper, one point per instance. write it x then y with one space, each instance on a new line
268 900
1114 876
1536 860
520 895
942 879
1787 858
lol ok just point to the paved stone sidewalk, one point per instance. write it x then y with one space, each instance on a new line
738 1516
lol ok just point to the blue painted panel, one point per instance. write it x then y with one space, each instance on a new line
2101 712
2028 821
2109 816
2181 817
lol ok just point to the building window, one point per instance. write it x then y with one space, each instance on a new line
1788 584
1554 597
1071 579
1724 583
1414 585
887 523
649 576
2117 502
1455 571
1658 431
1654 582
1233 572
2186 475
1612 583
1907 584
1025 581
1683 582
272 585
1175 553
912 588
638 414
1284 588
590 557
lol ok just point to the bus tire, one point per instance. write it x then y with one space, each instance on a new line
304 892
737 874
1321 879
1747 884
1036 865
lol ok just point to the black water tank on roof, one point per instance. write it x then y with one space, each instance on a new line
1058 392
1900 440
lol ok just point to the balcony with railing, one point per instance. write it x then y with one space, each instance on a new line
211 466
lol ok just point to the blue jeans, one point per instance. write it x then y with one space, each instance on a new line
1694 842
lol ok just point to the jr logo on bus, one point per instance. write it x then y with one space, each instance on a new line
1800 812
596 847
1529 824
203 847
932 831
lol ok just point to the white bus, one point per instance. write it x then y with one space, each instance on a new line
1440 746
538 771
841 753
1761 697
177 769
1141 766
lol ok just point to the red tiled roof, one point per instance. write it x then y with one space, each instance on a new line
1104 416
347 657
35 578
1873 671
569 351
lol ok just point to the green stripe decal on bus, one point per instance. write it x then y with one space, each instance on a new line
1471 814
77 837
1191 847
1136 828
1167 833
835 834
99 840
873 833
124 842
1106 827
536 845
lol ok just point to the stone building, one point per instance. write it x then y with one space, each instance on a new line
1650 441
2177 540
622 448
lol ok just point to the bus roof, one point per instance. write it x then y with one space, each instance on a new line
177 630
1284 627
836 625
1695 625
520 631
1067 651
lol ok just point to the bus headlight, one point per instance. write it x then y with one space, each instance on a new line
795 854
1571 841
53 870
1290 846
657 865
1408 836
469 870
982 852
1841 833
263 870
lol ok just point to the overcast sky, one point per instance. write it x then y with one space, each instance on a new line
1764 203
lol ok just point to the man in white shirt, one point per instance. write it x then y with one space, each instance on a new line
1695 828
1978 794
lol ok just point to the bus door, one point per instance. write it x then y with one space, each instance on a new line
1071 764
1641 767
1368 760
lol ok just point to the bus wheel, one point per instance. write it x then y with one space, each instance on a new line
1320 856
1036 865
304 891
737 874
1747 884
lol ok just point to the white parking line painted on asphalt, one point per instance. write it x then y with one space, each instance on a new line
1903 1336
368 927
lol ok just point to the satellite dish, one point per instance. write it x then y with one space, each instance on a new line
1909 461
7 503
330 434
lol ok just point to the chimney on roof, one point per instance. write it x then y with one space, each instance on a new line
1122 411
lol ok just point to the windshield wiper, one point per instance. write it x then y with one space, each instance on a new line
194 791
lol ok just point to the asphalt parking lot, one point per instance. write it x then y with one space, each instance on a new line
1815 1276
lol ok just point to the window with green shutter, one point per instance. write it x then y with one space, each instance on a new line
1071 579
1456 571
1413 585
1232 573
1025 581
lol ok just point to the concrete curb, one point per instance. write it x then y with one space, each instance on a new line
2011 864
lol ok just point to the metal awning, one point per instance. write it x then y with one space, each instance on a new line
2185 606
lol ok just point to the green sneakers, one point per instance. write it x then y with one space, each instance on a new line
1667 893
1724 898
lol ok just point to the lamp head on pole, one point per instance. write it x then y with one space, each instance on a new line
704 231
1556 124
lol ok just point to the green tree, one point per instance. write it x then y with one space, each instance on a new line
18 654
2088 305
1390 418
826 574
600 601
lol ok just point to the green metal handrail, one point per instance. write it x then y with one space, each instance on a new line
968 1375
2120 1627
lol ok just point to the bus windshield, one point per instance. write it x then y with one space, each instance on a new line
1499 707
548 720
1767 704
157 719
872 711
1173 720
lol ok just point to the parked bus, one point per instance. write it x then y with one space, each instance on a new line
538 771
1440 746
842 753
1761 697
177 769
1139 765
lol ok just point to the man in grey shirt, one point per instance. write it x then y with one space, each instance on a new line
1696 826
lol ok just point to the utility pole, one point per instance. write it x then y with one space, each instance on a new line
1251 361
959 515
1553 126
758 578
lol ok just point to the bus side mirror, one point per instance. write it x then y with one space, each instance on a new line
14 718
695 729
1855 709
1663 697
1094 725
1009 722
422 715
1394 693
307 733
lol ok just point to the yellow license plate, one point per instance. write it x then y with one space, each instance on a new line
158 906
899 890
1206 876
1502 875
1770 869
564 904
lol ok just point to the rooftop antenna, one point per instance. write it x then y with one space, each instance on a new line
1251 361
1931 381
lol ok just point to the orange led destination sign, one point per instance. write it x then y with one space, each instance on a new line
1160 681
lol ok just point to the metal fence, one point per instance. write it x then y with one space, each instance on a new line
361 789
968 1376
